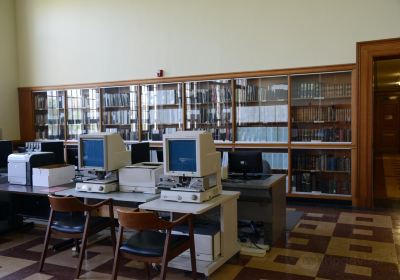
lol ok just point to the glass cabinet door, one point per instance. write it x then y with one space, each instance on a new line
321 171
321 107
161 110
209 107
120 111
83 111
49 114
262 109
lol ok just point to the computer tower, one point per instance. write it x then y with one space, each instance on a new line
140 152
5 150
57 147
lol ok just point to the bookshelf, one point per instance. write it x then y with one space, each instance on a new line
161 110
83 112
209 107
49 114
294 116
120 111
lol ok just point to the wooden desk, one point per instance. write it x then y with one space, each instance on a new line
227 202
264 201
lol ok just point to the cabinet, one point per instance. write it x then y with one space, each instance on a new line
302 119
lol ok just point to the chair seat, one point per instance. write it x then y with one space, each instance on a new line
151 243
76 224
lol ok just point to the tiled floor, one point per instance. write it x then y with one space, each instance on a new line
327 243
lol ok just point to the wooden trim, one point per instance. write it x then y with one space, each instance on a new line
232 75
139 98
233 110
26 115
320 196
366 53
184 120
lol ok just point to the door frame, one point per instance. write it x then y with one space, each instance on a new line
366 53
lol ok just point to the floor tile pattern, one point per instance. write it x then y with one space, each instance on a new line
327 243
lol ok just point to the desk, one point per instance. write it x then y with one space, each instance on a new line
262 200
227 201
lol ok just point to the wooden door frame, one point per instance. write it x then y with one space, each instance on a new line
366 53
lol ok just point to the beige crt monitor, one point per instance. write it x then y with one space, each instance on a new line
190 154
102 152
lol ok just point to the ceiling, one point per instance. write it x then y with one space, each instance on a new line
387 75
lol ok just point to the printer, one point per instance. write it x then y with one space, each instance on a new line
140 177
20 166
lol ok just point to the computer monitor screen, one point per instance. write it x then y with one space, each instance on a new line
93 153
182 155
5 151
140 152
245 162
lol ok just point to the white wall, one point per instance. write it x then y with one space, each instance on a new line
9 121
75 41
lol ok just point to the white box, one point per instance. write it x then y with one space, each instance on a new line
207 241
53 175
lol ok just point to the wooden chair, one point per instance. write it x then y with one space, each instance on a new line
78 227
148 244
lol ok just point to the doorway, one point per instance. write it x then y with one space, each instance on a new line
367 53
386 132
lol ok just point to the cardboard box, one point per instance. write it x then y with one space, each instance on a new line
53 175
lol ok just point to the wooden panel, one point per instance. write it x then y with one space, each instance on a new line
366 53
26 121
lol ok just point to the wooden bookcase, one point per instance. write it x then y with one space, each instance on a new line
302 119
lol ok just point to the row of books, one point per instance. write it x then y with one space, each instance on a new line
327 114
161 97
276 160
44 119
321 162
118 117
262 134
156 134
211 116
74 130
46 102
315 183
83 103
321 134
163 116
320 89
275 113
79 116
211 95
50 132
116 99
126 133
246 93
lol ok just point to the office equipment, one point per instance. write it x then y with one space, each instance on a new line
262 201
103 153
140 177
244 163
54 146
5 150
76 226
53 175
20 166
225 206
152 240
140 152
72 155
192 165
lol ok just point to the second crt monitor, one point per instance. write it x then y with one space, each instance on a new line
190 154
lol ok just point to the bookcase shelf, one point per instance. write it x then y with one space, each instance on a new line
287 114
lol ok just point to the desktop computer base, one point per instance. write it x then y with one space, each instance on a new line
98 186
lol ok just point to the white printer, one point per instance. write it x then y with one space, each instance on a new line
20 166
140 177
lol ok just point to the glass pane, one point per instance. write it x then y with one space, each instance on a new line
262 109
161 110
49 114
321 107
120 111
209 107
321 171
83 112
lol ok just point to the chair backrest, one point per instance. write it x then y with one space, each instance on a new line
141 220
66 204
